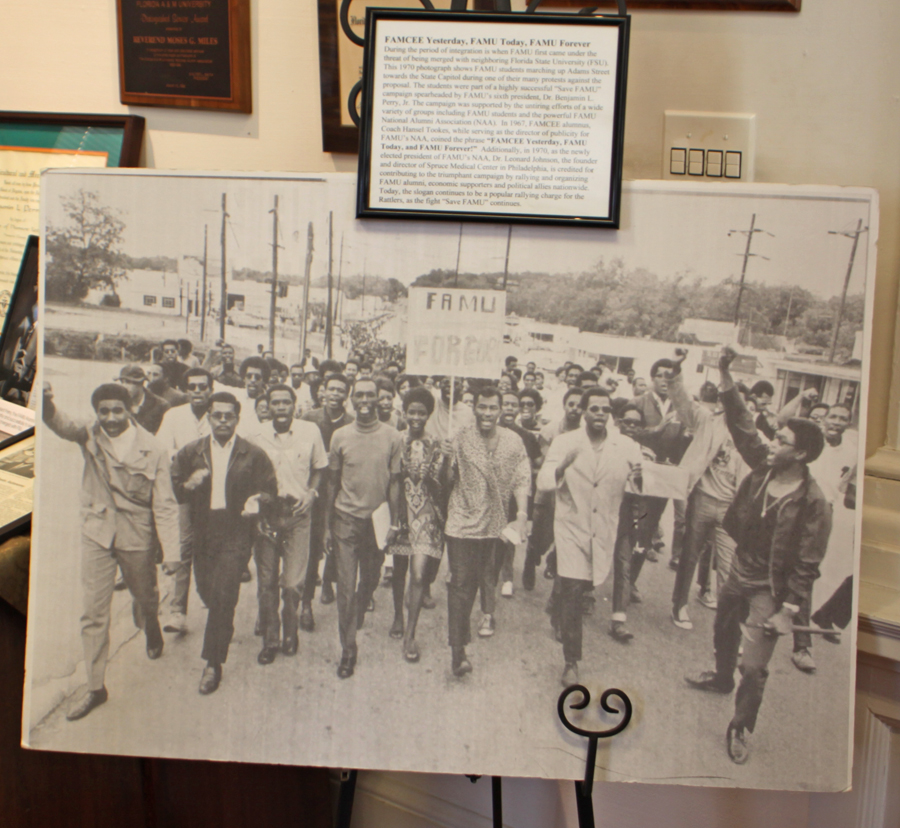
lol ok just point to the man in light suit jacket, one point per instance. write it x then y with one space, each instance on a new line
221 477
125 491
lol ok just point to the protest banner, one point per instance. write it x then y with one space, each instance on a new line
456 332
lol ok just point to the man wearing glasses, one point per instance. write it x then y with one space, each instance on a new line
220 477
182 425
589 470
780 521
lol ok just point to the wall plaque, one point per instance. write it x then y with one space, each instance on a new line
192 53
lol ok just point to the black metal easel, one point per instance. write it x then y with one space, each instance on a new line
583 788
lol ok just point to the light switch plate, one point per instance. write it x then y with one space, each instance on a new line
724 131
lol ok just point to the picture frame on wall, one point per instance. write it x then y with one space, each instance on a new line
33 141
486 117
192 55
341 60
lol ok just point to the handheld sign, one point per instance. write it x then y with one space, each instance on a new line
455 332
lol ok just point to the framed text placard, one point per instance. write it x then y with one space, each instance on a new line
493 118
191 53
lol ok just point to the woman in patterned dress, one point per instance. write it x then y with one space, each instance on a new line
421 535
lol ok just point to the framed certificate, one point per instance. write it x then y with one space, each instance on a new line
493 118
190 53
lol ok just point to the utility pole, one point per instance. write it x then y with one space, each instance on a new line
328 320
506 263
304 313
840 317
337 302
224 286
203 300
272 304
747 254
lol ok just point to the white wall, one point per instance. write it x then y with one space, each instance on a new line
825 85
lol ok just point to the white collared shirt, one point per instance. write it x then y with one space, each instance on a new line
295 454
664 405
180 426
219 459
122 444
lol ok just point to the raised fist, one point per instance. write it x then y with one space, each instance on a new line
726 358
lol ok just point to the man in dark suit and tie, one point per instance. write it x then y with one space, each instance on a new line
221 477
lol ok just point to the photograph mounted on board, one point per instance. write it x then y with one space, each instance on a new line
377 491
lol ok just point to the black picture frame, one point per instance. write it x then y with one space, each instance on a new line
20 323
511 25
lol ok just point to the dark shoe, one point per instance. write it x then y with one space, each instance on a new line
347 665
209 681
737 742
154 642
307 622
246 577
620 632
832 638
635 596
119 586
90 700
673 563
326 596
397 627
652 555
528 576
459 663
570 674
267 655
710 681
549 572
411 652
290 645
803 661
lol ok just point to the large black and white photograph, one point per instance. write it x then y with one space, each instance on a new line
371 494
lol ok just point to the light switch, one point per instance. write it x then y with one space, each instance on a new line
696 143
695 162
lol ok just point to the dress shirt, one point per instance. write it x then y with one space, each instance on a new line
295 454
122 444
180 426
220 456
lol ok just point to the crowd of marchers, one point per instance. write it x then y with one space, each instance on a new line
332 476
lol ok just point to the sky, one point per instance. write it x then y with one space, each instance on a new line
667 228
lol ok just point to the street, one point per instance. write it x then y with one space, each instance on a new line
297 711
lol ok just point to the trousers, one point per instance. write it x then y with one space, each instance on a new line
703 522
98 577
288 552
470 561
358 560
751 606
219 562
179 601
